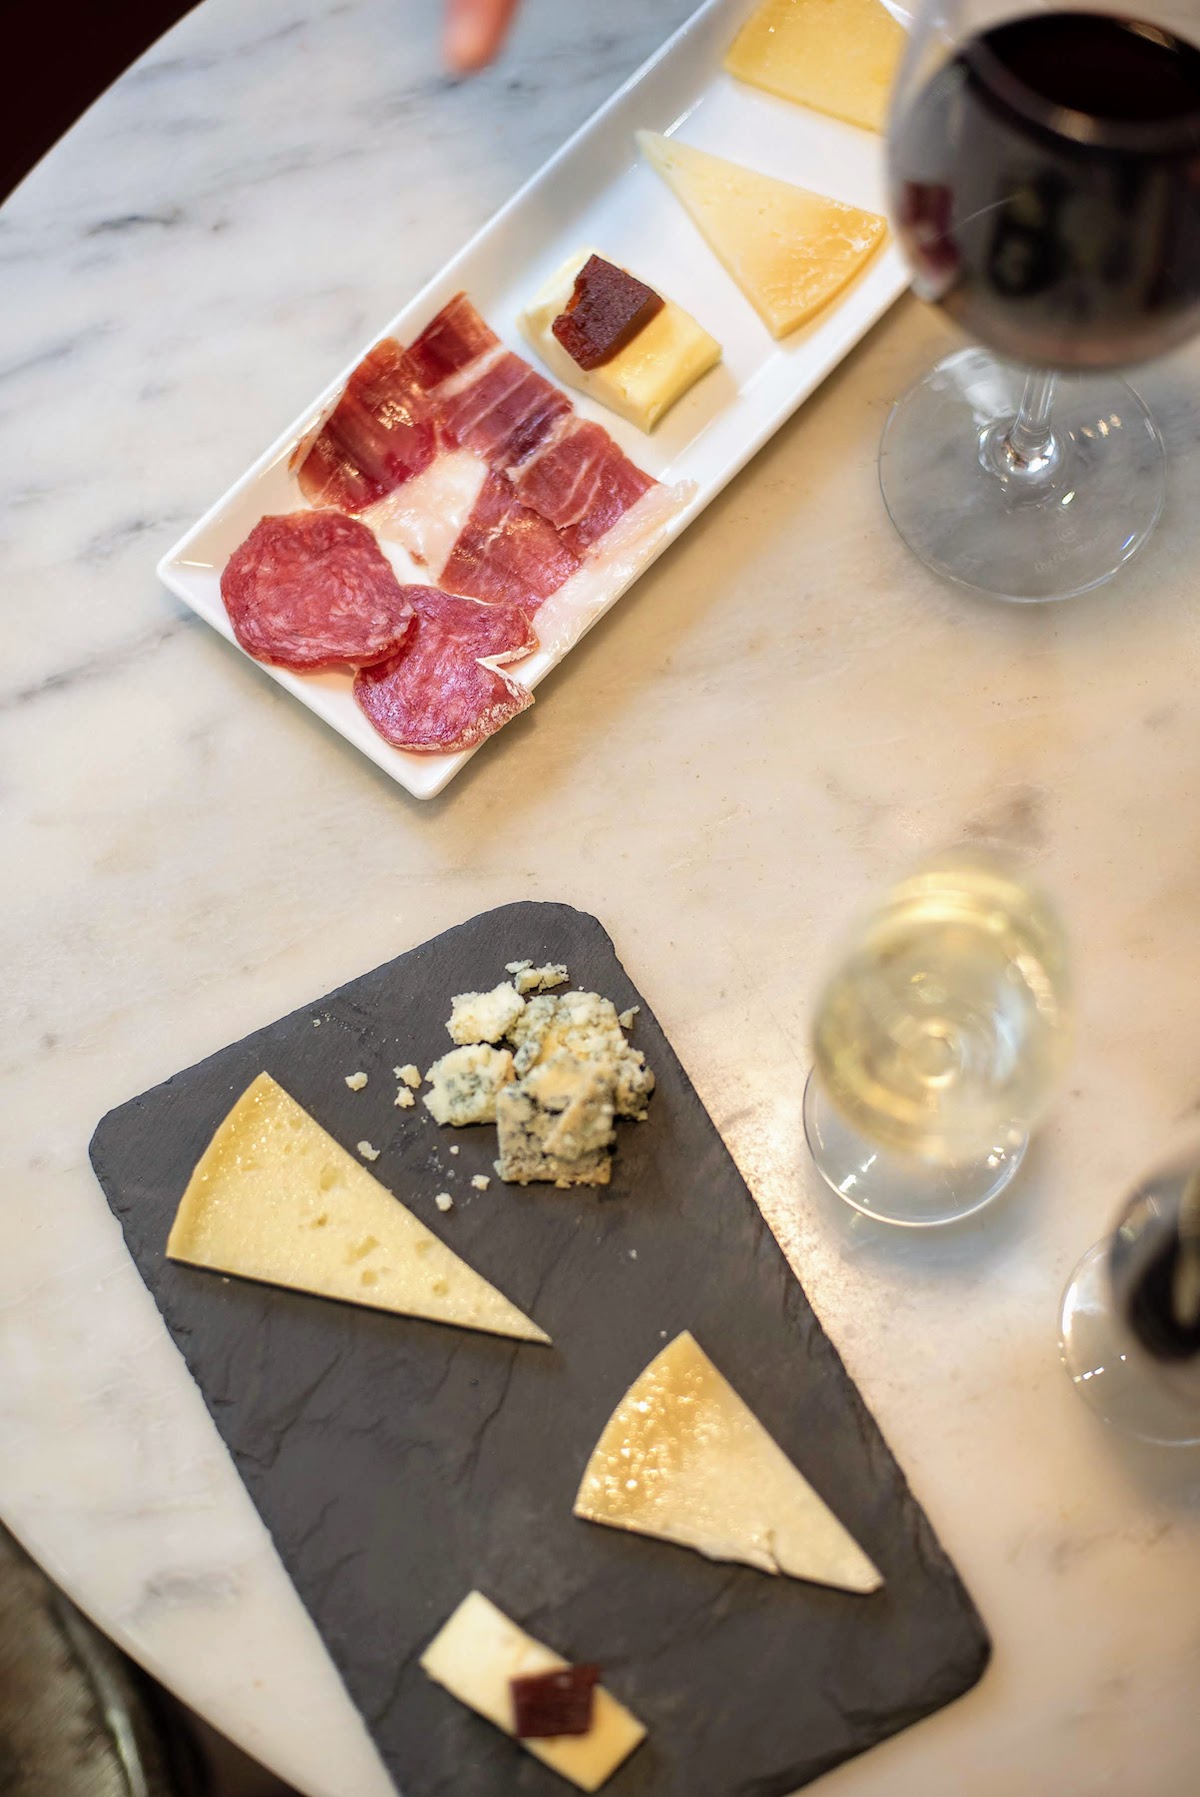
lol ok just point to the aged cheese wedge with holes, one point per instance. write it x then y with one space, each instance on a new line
684 1458
837 55
790 251
479 1650
275 1198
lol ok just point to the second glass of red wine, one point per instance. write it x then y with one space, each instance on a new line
1044 168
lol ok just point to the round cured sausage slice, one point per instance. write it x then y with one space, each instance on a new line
445 689
313 590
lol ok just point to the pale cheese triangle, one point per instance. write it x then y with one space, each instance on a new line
684 1458
790 251
274 1197
837 55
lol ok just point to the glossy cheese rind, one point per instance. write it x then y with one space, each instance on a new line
790 251
683 1457
475 1654
275 1198
643 380
839 56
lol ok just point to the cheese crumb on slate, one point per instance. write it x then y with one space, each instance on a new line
528 978
404 1098
409 1073
480 1181
626 1017
464 1083
484 1016
356 1081
454 1150
368 1153
444 1201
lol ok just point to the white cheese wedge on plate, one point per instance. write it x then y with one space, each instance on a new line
683 1457
275 1198
790 251
839 56
645 378
477 1652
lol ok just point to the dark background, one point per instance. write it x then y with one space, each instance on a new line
59 56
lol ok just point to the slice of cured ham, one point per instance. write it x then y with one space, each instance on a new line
581 483
505 414
427 514
381 432
450 342
313 590
507 553
445 690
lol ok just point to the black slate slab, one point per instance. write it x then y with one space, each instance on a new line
399 1463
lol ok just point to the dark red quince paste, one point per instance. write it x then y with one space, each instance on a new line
605 312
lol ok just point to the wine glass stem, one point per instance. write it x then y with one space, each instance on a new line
1025 449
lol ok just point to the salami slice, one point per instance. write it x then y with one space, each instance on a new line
436 694
313 590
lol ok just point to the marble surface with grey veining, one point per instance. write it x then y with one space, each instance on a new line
783 712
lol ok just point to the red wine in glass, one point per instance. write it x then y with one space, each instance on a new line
1046 186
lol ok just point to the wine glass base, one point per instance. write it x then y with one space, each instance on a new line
1112 1371
1033 537
892 1187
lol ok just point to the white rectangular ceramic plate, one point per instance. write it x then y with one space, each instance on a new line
597 192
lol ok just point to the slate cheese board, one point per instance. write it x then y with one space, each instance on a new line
398 1464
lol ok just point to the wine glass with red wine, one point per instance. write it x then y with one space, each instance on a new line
1044 168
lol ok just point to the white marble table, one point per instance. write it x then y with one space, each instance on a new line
779 716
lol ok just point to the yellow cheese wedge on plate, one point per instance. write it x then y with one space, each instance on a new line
479 1650
790 251
275 1198
683 1457
837 55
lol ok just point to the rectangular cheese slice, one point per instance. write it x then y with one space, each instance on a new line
643 380
683 1457
479 1650
274 1197
790 251
839 56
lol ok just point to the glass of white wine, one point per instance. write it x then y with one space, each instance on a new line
939 1040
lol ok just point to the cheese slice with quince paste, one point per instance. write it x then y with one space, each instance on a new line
684 1458
839 56
475 1654
275 1198
790 251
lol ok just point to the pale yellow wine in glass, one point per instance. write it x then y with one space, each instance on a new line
939 1040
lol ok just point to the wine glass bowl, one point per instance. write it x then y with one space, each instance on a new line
938 1041
1044 171
1129 1323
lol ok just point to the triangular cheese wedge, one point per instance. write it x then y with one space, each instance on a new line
837 55
790 251
275 1198
682 1457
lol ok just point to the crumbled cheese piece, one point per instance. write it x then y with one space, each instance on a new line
484 1016
464 1084
480 1181
409 1073
368 1153
528 978
626 1017
454 1149
633 1254
587 1026
356 1081
444 1201
404 1098
316 1023
533 1141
